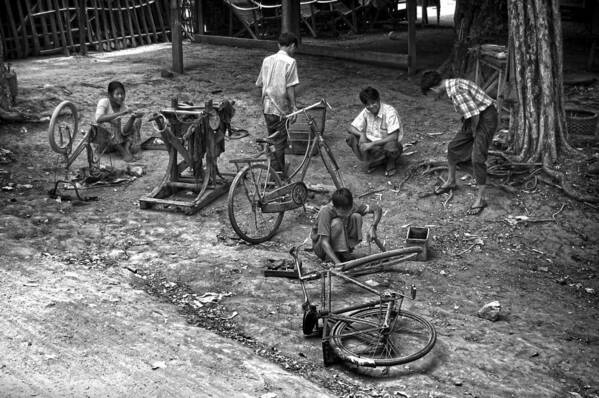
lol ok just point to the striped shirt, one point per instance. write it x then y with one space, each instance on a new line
468 99
278 72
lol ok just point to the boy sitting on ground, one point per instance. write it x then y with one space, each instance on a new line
471 143
375 134
338 227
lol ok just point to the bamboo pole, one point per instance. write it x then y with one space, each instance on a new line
129 23
100 46
144 23
65 13
151 21
123 34
36 42
110 43
13 27
117 39
23 28
45 32
135 21
61 28
159 12
52 19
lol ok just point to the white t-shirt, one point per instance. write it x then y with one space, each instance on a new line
379 126
278 72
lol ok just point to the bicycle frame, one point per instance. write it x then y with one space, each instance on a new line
272 202
71 155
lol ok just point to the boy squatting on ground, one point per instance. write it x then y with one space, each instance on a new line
109 112
479 122
375 134
278 78
338 227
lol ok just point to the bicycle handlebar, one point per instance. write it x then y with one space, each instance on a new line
307 108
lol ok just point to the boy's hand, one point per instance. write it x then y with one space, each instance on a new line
138 114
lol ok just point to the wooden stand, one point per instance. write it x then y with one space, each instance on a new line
197 135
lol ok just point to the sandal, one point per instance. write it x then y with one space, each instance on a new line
390 172
475 210
442 190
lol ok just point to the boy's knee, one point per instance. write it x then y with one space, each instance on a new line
355 217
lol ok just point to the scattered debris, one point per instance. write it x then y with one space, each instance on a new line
490 311
158 365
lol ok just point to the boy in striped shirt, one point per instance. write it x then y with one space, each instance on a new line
479 122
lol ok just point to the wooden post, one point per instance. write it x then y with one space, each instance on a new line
81 17
177 41
290 17
411 5
199 17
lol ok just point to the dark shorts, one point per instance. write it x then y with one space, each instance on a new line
276 123
468 147
391 150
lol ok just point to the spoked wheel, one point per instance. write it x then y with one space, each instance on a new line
245 203
331 164
364 342
63 127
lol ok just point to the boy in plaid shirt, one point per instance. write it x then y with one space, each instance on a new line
479 122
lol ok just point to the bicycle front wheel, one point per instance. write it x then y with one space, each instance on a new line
362 339
245 203
63 127
331 164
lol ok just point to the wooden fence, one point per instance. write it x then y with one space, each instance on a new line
39 27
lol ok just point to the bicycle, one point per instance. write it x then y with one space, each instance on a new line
258 198
63 127
377 333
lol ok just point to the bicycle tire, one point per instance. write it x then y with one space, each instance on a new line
309 321
331 165
379 257
244 205
63 127
409 338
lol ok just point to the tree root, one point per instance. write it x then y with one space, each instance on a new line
565 185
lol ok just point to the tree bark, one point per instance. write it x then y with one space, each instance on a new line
536 46
475 22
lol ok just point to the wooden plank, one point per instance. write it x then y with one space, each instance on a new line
60 25
13 27
36 42
144 23
99 36
115 35
23 28
123 34
177 42
199 16
368 57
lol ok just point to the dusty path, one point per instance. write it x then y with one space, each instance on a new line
93 329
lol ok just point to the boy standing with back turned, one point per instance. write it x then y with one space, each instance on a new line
278 78
479 122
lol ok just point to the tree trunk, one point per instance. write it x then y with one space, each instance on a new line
475 22
538 118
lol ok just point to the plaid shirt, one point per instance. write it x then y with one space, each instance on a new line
468 99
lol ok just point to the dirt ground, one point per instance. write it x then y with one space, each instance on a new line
101 298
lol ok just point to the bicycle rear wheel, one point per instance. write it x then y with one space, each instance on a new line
63 127
363 341
331 164
245 203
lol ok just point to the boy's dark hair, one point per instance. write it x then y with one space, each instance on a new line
288 38
369 94
113 85
430 78
343 199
